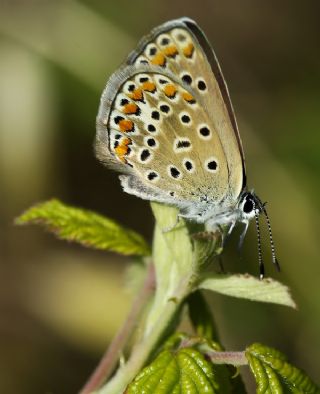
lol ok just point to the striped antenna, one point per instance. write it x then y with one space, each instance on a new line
273 251
262 207
256 216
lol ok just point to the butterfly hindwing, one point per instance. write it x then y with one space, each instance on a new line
165 120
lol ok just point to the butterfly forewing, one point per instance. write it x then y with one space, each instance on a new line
158 129
164 120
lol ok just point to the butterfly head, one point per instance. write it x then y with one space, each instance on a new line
250 206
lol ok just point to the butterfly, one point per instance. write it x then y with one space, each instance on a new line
166 123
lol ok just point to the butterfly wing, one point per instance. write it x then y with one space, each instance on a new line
166 121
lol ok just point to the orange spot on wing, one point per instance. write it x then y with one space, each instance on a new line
136 95
122 149
159 59
188 97
170 90
170 51
130 108
126 125
149 86
188 50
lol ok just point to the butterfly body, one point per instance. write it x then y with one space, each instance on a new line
167 124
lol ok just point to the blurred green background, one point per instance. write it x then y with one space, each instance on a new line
59 303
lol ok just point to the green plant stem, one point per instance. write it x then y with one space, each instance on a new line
142 351
111 356
234 358
177 259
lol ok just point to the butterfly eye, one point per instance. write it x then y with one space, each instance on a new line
248 206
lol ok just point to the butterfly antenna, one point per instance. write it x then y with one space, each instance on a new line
273 251
261 264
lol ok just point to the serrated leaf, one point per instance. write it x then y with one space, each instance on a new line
85 227
248 287
174 341
203 322
184 371
224 374
274 375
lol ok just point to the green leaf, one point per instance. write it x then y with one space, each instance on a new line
184 371
248 287
224 374
274 375
85 227
203 322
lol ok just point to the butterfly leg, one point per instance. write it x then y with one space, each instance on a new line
224 235
242 236
220 261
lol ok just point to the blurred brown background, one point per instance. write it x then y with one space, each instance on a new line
59 303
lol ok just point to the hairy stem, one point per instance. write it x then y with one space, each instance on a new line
111 356
235 358
143 349
178 260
